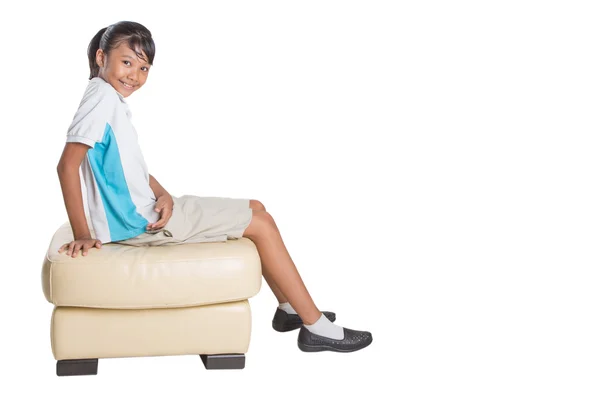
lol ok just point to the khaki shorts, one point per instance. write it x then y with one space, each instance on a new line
199 219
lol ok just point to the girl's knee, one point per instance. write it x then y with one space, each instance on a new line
261 225
256 205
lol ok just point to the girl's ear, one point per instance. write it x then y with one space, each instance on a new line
100 58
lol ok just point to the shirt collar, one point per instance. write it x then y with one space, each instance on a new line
121 97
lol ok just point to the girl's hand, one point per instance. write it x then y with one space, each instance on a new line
84 244
164 205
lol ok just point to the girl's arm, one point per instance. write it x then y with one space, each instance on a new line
157 188
68 174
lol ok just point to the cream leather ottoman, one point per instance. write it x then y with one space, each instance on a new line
128 301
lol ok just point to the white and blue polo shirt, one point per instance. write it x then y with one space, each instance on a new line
120 200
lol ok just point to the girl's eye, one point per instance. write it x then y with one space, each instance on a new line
127 61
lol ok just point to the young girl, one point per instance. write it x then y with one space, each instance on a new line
128 206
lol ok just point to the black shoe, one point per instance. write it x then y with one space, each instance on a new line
353 340
284 322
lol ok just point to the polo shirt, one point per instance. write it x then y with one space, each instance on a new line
120 200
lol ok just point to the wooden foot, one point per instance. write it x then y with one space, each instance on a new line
223 361
88 366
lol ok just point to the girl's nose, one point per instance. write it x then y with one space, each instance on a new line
133 76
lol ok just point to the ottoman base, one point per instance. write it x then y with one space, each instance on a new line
89 366
77 367
223 361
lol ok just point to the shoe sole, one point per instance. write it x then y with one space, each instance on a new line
316 349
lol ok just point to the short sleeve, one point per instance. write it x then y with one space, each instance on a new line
95 111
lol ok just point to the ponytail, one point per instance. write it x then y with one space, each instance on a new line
92 49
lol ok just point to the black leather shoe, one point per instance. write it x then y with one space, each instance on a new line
284 322
353 340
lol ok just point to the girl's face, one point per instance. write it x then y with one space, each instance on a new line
123 69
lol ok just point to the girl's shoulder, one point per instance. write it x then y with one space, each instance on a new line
99 91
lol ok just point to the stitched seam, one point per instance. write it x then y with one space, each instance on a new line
50 279
239 299
52 345
154 261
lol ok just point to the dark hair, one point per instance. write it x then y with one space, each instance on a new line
136 35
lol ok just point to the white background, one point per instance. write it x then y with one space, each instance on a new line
432 166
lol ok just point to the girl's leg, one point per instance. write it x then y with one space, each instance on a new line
278 268
281 298
278 294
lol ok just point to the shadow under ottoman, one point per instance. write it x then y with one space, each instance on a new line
128 301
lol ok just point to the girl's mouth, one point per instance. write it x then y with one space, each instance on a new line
129 87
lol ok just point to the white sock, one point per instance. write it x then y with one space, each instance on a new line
287 307
325 327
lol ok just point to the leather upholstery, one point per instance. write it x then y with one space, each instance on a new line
78 333
128 301
129 277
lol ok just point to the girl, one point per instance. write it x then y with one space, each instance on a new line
128 206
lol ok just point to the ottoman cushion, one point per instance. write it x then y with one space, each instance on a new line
106 333
129 277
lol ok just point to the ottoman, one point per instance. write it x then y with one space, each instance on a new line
129 301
